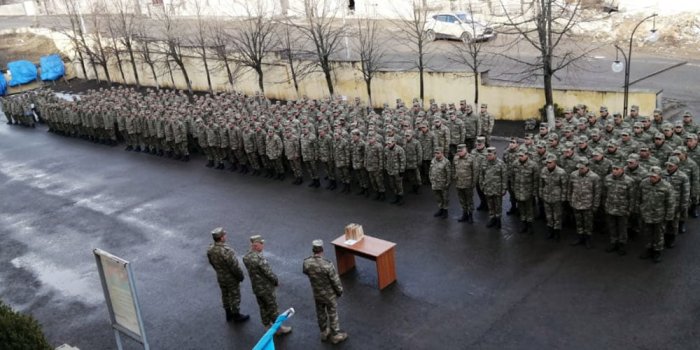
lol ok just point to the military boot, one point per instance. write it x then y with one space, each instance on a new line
160 153
557 235
693 211
129 148
229 315
580 240
400 200
299 181
438 213
177 157
530 229
681 227
185 158
491 223
498 222
416 189
613 247
587 241
470 218
445 214
313 183
137 149
656 256
338 337
210 163
647 254
346 188
317 183
325 334
513 210
362 191
669 241
550 233
382 196
465 217
220 166
525 227
239 317
396 199
482 206
621 249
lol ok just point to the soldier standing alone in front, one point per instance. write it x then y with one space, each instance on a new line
228 273
326 287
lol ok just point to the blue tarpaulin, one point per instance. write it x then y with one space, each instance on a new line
22 72
3 85
52 67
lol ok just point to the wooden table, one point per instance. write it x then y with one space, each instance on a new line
375 249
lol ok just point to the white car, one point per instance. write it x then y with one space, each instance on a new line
457 25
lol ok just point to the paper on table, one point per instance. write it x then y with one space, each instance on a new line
350 242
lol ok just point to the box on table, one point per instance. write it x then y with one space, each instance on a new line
354 232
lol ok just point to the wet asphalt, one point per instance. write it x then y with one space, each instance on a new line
459 286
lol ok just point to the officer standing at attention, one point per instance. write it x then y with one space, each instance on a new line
264 282
326 287
228 273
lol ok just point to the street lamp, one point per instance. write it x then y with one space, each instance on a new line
617 66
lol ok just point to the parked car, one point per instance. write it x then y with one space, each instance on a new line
457 25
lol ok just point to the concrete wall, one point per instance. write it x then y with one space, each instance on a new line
24 8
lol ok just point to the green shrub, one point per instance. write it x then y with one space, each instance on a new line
20 332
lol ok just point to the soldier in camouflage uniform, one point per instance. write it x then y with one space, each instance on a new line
493 179
374 164
619 200
395 166
657 208
359 152
292 150
465 174
584 197
457 133
342 153
228 273
440 176
274 147
471 126
486 123
428 142
523 176
479 154
553 184
309 155
690 168
681 193
325 156
509 157
327 288
414 159
264 282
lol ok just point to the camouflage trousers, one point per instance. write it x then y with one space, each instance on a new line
253 160
617 225
512 200
482 196
238 155
584 221
396 184
230 294
466 198
376 180
442 197
265 161
412 177
425 172
295 164
181 148
671 227
495 205
553 213
312 169
207 152
327 316
526 209
362 177
343 174
268 308
655 234
329 168
277 165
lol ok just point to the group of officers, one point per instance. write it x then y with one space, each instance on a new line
637 174
324 279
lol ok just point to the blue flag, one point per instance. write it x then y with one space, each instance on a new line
267 340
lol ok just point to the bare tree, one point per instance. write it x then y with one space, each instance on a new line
172 44
146 52
473 51
75 32
199 40
219 36
254 38
371 49
325 32
96 49
291 48
417 38
546 26
122 28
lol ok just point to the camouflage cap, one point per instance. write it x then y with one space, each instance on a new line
390 140
634 108
603 109
484 105
256 239
553 137
461 146
317 245
595 132
681 149
657 111
581 162
659 136
582 139
551 158
632 157
544 126
618 165
408 133
643 148
491 150
666 127
676 152
218 233
637 125
673 160
678 123
687 114
655 170
528 136
691 136
437 150
480 139
567 110
542 144
568 145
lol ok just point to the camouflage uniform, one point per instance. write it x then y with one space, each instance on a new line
228 273
359 151
493 179
274 147
465 174
326 287
428 142
374 164
264 282
309 156
584 197
681 193
552 192
325 156
440 175
657 205
414 159
342 154
395 166
619 201
523 179
292 150
486 123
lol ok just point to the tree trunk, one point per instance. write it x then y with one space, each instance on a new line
206 69
327 72
133 64
185 75
228 71
368 84
170 71
155 76
294 75
476 87
82 62
259 70
422 84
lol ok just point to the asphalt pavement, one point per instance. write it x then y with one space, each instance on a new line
459 286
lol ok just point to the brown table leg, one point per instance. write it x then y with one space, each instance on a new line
345 259
386 269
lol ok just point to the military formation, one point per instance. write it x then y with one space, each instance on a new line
593 171
324 279
628 177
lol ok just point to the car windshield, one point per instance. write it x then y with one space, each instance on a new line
462 17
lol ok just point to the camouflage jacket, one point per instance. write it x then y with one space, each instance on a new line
223 259
457 131
681 189
440 174
656 201
428 142
325 148
374 158
619 195
602 167
414 154
443 137
471 126
553 185
524 177
341 153
308 147
584 190
274 147
465 171
262 279
690 168
493 177
486 122
359 149
324 279
292 149
394 160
